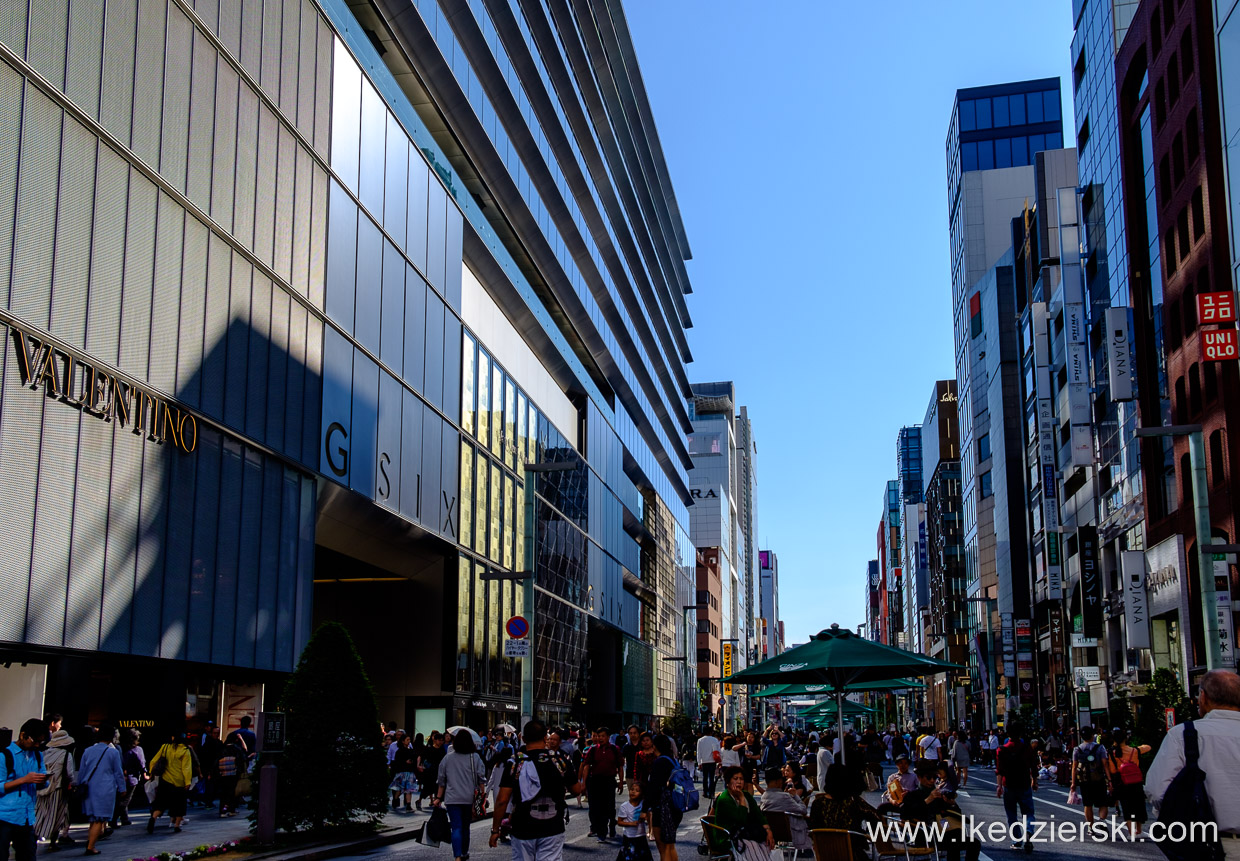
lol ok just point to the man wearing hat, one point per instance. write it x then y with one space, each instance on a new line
904 775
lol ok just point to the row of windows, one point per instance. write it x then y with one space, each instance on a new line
1007 152
1168 89
482 608
707 656
1178 233
1185 147
705 626
999 112
706 598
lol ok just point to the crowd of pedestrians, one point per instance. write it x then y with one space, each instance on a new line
100 774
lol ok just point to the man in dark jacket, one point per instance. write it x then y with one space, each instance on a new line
602 772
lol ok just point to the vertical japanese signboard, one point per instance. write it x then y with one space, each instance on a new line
727 668
1091 581
1222 600
1046 453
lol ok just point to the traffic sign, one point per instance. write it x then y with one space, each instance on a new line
517 627
516 648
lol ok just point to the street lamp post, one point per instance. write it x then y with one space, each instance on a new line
1205 550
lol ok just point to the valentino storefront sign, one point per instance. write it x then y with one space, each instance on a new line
79 382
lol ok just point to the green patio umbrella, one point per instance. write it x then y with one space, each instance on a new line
839 658
830 708
802 690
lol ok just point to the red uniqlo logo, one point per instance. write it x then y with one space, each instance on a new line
1219 344
1216 307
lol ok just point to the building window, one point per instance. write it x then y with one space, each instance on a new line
985 484
983 448
975 314
1186 481
1199 214
1194 390
1186 52
1192 136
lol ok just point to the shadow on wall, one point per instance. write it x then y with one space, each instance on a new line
185 543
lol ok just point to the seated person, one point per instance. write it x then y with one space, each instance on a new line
840 805
926 803
948 780
777 800
738 815
902 781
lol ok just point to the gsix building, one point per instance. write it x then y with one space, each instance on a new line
292 295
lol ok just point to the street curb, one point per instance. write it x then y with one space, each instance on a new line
337 850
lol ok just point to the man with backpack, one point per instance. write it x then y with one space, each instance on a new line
1089 775
1217 738
535 782
23 775
602 772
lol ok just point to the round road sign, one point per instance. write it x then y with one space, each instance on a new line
517 627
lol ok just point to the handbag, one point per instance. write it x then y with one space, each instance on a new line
151 787
871 782
82 790
160 767
244 786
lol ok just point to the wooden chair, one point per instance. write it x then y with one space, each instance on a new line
836 844
781 830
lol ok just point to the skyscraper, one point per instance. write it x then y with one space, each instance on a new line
350 270
993 135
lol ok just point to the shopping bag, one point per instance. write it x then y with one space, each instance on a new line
1074 796
150 788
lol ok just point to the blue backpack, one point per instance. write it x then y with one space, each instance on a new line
684 790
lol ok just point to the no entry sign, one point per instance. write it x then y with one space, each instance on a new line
517 627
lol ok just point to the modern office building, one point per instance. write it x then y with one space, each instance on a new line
891 573
710 647
1171 141
771 630
993 136
948 637
294 292
723 484
912 548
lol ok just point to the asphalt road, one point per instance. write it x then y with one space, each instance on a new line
977 799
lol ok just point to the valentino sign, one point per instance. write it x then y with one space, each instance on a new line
74 380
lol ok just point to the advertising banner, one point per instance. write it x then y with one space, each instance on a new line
1119 354
1091 581
1136 603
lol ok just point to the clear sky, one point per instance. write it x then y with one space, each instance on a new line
805 140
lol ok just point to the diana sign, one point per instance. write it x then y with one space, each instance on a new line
1136 604
1119 355
83 384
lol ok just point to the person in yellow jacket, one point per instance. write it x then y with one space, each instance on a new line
174 766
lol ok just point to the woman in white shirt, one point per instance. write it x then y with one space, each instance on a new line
728 756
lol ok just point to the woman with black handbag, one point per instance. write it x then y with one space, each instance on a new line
103 784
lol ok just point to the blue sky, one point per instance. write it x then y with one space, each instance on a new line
806 146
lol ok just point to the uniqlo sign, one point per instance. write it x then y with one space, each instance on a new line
1216 308
1218 345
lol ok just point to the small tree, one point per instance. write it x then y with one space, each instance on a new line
333 772
677 723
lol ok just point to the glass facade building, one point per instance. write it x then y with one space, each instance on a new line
301 289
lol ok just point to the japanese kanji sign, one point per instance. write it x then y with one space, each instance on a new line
1216 308
1091 581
